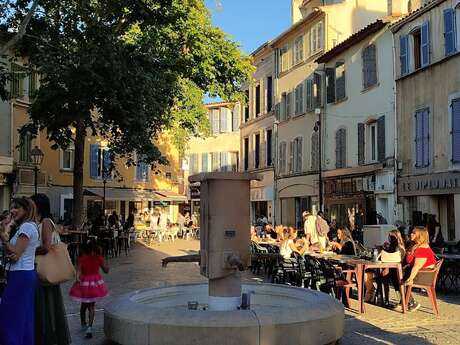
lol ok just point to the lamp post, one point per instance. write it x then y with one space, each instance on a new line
317 129
37 158
104 183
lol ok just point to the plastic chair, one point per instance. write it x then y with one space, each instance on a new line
430 288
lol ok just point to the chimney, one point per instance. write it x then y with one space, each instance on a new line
296 14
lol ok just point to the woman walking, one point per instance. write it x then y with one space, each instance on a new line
50 321
17 307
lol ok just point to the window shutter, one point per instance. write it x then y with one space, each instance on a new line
340 92
94 162
223 120
426 138
297 100
318 87
236 117
418 139
204 162
425 45
301 105
403 53
338 151
224 161
107 173
309 94
283 109
315 151
291 156
369 61
456 130
299 154
381 139
277 111
343 147
330 75
288 105
215 121
282 157
449 31
361 143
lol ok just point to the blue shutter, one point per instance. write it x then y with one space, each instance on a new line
425 49
426 138
449 31
456 130
403 53
419 138
107 173
94 161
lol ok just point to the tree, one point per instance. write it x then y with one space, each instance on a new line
125 70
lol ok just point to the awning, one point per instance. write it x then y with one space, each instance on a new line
171 196
361 170
122 194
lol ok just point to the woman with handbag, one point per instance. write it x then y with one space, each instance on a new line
17 307
50 321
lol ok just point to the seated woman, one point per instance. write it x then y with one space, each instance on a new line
254 236
346 246
393 250
288 246
419 257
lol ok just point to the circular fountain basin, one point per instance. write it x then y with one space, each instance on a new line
279 315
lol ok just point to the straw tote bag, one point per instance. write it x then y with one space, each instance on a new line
55 267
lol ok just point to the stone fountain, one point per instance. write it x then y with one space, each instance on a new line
224 311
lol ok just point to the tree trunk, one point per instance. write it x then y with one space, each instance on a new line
79 159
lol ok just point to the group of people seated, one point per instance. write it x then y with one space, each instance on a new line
414 253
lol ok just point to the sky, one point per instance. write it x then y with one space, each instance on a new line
251 22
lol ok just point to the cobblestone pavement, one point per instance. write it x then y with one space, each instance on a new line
142 269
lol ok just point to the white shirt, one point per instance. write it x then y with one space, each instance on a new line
310 229
27 260
285 249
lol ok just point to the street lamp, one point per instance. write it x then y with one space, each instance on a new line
37 158
317 129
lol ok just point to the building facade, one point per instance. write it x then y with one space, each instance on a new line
256 132
358 124
427 45
317 27
217 152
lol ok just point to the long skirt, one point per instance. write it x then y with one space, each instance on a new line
51 326
17 309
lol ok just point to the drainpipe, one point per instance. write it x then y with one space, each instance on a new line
395 132
275 177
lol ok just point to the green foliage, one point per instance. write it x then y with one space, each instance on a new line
130 69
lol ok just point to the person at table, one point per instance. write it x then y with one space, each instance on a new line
394 250
420 256
270 232
322 229
17 306
50 317
288 246
346 245
113 219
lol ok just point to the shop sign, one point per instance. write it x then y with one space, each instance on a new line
444 183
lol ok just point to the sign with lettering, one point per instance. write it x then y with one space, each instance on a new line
442 183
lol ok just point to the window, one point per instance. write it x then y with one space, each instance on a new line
404 54
257 151
224 163
269 147
309 97
258 100
298 49
215 161
341 148
288 106
67 158
17 81
299 99
340 93
455 108
316 38
269 93
33 84
373 142
246 108
233 161
315 151
369 61
417 48
25 147
284 58
282 158
283 115
330 85
318 89
204 162
450 44
422 138
297 154
193 164
101 163
236 118
246 154
143 168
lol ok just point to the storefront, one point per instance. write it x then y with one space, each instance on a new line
346 196
437 194
262 197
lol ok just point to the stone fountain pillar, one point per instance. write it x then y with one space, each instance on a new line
224 234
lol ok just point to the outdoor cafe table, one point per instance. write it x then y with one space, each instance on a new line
360 266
